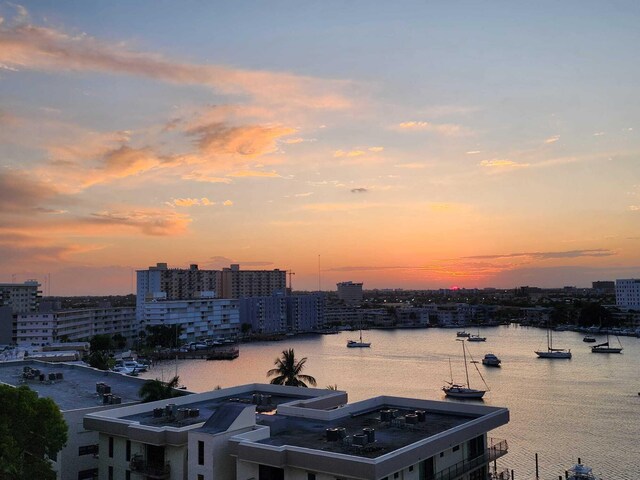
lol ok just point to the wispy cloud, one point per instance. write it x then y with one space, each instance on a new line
474 152
146 221
254 173
634 208
376 149
191 202
25 46
439 128
552 139
349 153
359 190
598 252
502 164
227 203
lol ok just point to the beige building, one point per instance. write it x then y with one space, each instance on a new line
270 432
350 293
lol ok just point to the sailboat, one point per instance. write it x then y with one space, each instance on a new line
463 391
358 344
553 352
606 348
477 338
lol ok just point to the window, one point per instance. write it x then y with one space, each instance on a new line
200 453
91 474
200 477
411 468
396 475
128 451
110 475
127 475
456 448
88 450
311 476
110 447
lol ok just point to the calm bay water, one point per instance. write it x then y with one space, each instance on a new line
586 407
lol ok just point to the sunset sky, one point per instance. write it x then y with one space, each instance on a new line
400 144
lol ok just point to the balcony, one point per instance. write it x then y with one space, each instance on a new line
140 466
495 451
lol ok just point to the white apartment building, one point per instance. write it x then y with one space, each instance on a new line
74 389
272 432
350 293
200 319
73 325
628 293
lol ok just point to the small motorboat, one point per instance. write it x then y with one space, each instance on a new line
581 472
589 339
462 334
490 360
477 338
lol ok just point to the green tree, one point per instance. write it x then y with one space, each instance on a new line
100 360
31 429
288 371
101 343
153 390
165 336
120 341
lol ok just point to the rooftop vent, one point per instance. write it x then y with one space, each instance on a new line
422 415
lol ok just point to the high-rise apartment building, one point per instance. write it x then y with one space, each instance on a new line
192 283
350 293
628 293
21 297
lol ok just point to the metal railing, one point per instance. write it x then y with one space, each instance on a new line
496 450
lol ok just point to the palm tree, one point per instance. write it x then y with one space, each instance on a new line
153 390
288 370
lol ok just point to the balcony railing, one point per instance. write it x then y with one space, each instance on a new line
496 450
151 470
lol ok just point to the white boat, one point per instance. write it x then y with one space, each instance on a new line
462 334
589 339
606 348
551 352
477 338
358 344
490 360
581 472
457 390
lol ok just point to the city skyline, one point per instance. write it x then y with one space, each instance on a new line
400 145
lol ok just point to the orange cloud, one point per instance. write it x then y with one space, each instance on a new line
502 164
351 153
190 202
246 141
254 173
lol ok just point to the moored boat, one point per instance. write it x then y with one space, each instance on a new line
553 353
589 339
606 347
490 360
458 390
581 472
462 334
358 344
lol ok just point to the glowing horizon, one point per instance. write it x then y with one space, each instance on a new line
408 146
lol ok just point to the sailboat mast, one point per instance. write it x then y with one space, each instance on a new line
466 369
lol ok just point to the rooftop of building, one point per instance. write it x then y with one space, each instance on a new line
74 387
395 423
207 407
